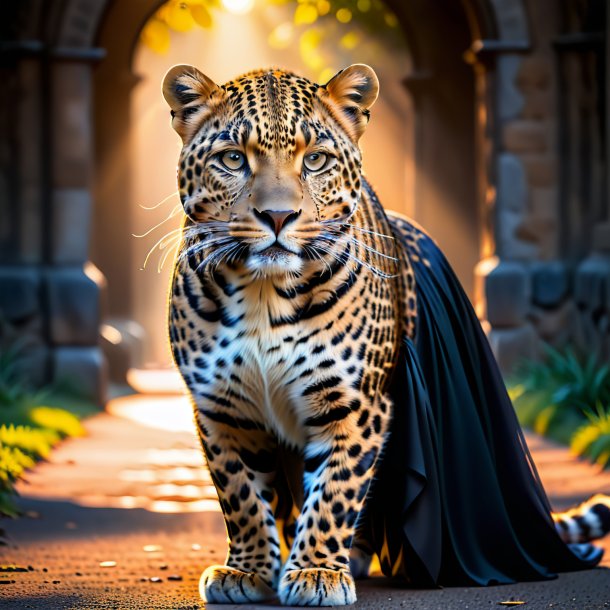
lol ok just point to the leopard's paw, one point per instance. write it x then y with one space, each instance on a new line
317 587
226 585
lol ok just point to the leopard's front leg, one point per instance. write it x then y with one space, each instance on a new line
242 464
343 448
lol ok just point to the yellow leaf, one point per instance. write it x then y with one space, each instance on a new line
180 18
309 43
391 20
323 7
350 41
202 16
163 12
305 14
281 36
326 75
364 6
155 36
344 15
63 422
310 40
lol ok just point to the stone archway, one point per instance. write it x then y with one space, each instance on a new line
72 69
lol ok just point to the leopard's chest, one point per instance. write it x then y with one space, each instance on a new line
252 363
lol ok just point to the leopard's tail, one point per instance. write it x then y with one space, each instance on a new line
587 521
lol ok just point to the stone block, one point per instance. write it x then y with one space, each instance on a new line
526 136
507 295
556 326
538 104
19 292
543 203
601 237
513 241
550 283
592 282
511 19
512 184
535 72
592 297
510 99
511 346
539 169
70 230
72 124
29 118
539 225
73 301
81 370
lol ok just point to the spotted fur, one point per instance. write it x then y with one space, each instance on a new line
291 295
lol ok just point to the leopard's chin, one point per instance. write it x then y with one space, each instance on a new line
274 261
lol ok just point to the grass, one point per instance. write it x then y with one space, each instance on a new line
566 397
32 421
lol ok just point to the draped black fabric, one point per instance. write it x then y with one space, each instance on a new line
457 500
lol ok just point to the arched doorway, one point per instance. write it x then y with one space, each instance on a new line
77 71
154 147
438 145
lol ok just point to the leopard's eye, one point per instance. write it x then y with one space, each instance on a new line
316 161
233 160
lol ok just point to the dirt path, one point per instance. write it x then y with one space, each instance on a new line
136 496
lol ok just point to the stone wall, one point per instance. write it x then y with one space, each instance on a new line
49 293
534 290
539 171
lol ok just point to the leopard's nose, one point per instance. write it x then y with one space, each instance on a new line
276 220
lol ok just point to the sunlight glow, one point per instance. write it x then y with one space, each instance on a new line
238 7
156 381
172 413
111 334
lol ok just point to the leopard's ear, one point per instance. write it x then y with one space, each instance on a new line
352 92
189 94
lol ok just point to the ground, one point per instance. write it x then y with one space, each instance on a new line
126 518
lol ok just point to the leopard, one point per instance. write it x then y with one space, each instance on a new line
292 296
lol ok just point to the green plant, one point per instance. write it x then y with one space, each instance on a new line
553 396
32 420
13 461
593 439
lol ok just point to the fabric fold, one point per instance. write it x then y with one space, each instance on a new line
457 499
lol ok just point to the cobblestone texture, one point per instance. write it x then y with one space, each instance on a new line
72 525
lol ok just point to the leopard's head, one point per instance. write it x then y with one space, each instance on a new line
270 169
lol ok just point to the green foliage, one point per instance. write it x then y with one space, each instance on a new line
557 396
36 443
32 421
593 439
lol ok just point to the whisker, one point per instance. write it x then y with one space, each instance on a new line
161 263
173 213
355 240
173 231
154 207
354 258
357 228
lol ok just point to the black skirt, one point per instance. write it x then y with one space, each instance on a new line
457 499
